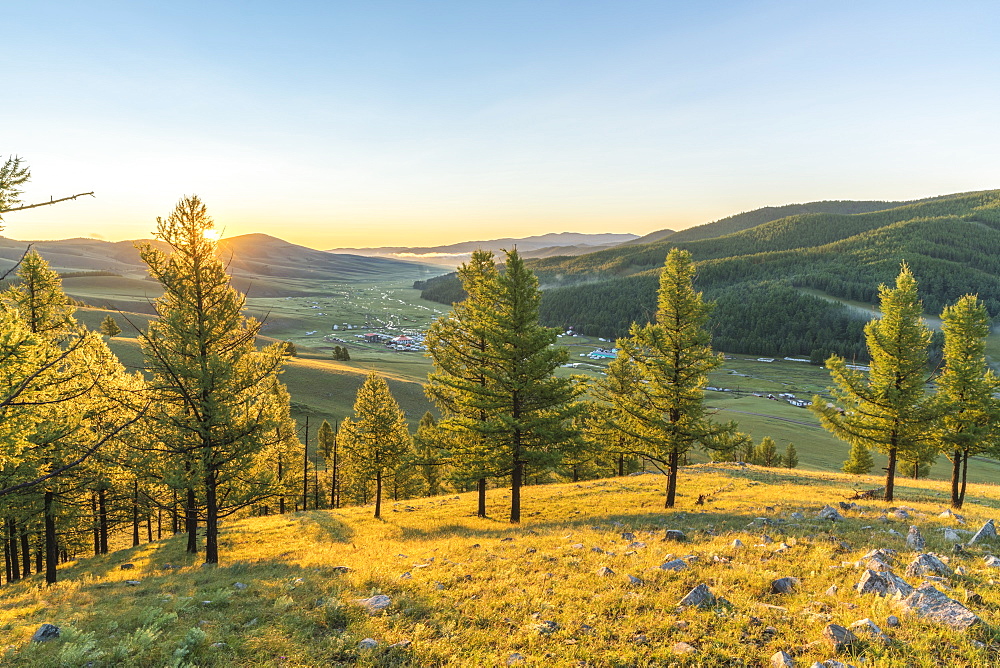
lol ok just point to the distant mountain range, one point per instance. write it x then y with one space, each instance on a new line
543 245
781 275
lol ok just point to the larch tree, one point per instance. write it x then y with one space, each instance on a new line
457 344
655 387
885 408
970 411
109 327
429 446
530 411
859 460
376 437
216 406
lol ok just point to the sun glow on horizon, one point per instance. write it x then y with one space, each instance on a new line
213 235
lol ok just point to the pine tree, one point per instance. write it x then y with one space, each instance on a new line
970 412
217 410
655 388
859 460
376 437
457 344
886 408
530 410
766 453
791 458
429 447
109 327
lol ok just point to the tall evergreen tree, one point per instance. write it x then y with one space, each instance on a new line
859 460
766 453
655 388
376 437
429 449
885 408
216 407
530 411
791 458
970 412
457 344
109 327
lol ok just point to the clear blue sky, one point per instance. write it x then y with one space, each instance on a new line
421 122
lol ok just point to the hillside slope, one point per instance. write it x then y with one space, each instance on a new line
760 276
587 579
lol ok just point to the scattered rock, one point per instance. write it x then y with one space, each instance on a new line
849 506
633 580
867 627
45 632
839 637
368 643
506 539
900 514
219 645
881 559
829 513
604 571
766 540
402 644
925 564
597 550
239 585
973 598
546 627
927 601
674 565
782 660
797 516
883 583
340 569
951 535
126 567
893 532
639 639
833 663
892 621
784 585
682 648
133 583
700 597
991 561
628 535
406 576
675 535
832 591
577 546
637 544
375 604
987 532
530 550
737 543
516 659
914 540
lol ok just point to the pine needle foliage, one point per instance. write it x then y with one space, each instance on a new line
859 460
376 438
887 407
655 387
216 408
966 391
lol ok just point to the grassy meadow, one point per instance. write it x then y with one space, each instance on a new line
467 591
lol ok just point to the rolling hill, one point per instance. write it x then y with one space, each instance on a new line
777 284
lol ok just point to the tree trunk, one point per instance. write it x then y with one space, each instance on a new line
481 509
6 563
191 522
281 478
25 553
334 500
211 519
102 514
965 477
890 474
96 522
956 475
576 473
175 525
305 468
135 513
15 567
51 548
378 493
672 479
621 465
515 491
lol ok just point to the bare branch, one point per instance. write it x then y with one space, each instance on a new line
51 201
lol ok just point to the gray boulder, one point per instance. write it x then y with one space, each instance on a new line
546 627
675 535
987 532
951 535
45 632
991 561
674 565
867 627
700 597
882 584
914 540
928 564
829 513
927 601
604 571
838 637
375 604
784 585
782 659
368 643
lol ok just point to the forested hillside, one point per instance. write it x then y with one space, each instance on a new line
764 278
